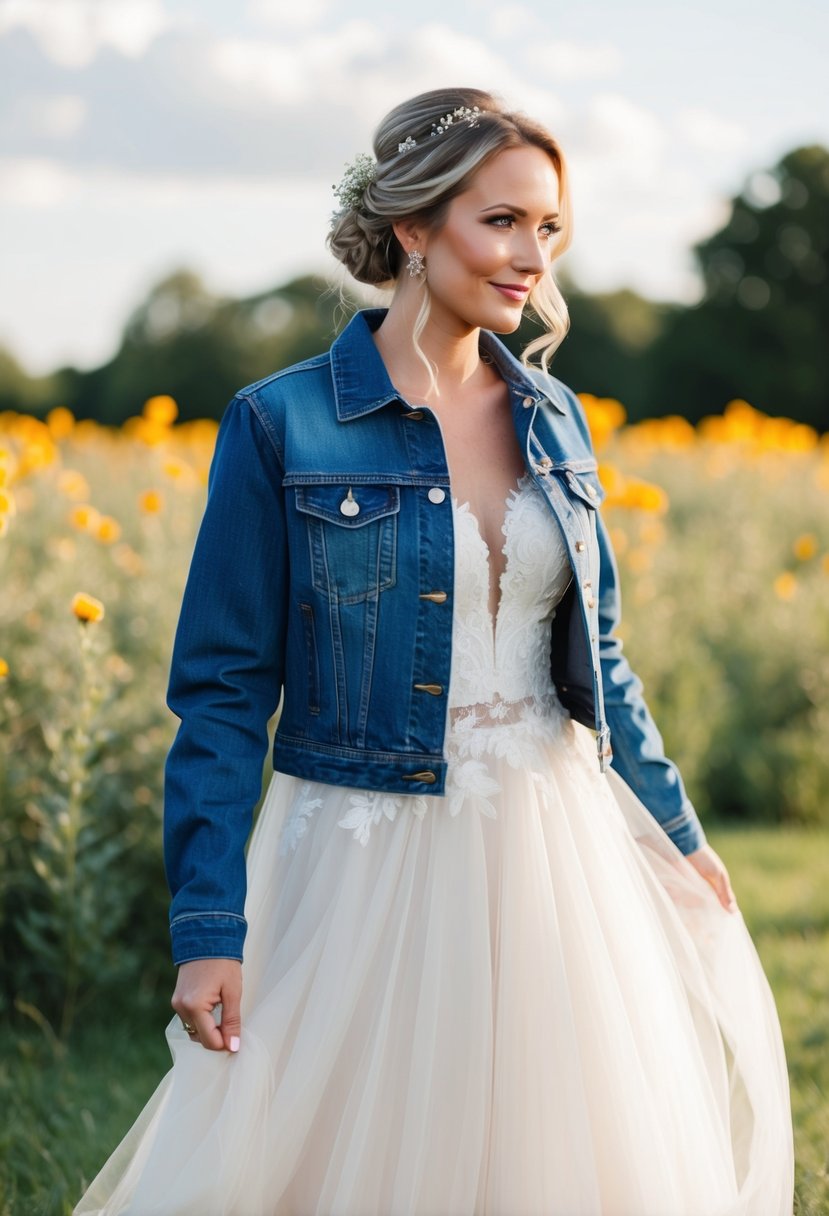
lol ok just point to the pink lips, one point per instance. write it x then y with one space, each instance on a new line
513 291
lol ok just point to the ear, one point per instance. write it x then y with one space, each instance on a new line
410 234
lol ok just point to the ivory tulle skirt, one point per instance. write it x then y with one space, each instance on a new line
519 1000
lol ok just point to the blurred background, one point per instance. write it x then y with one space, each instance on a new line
166 171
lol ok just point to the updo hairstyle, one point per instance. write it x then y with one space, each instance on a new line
421 181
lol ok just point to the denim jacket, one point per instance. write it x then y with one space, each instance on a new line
322 575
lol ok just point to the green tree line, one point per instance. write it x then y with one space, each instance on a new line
759 332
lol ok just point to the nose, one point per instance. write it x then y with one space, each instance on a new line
530 254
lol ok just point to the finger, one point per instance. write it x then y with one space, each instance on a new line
231 1026
208 1033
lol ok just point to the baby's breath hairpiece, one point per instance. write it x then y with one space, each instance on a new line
352 185
462 114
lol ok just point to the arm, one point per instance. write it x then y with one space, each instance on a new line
225 683
638 750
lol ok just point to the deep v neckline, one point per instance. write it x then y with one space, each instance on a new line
512 497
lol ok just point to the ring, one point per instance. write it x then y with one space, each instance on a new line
190 1029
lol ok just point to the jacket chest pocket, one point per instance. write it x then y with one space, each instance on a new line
352 537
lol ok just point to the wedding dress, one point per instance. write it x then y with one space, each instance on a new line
517 1000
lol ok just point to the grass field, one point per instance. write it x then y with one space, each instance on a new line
65 1109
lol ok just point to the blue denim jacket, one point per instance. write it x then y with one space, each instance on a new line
348 616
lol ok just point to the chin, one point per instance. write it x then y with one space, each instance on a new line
505 323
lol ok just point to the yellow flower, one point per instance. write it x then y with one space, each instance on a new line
162 409
805 546
73 484
108 529
151 502
60 422
6 503
84 517
86 607
785 585
4 669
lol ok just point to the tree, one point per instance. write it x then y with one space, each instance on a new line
760 331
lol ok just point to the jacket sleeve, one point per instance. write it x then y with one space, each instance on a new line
225 683
638 748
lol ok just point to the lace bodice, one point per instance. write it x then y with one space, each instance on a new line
506 660
502 700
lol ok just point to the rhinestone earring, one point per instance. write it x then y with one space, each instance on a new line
416 263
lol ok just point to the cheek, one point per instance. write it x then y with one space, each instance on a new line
481 251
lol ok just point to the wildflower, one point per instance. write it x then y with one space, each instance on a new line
73 484
805 546
161 409
6 503
86 608
84 517
60 422
785 585
4 669
108 530
151 502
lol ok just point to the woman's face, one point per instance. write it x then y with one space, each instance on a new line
495 245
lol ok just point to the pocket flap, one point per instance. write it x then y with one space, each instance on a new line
326 501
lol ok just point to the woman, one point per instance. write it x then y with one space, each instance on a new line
493 965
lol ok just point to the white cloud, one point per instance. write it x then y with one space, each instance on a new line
282 15
564 60
72 32
35 182
710 132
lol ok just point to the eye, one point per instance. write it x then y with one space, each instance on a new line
501 221
550 229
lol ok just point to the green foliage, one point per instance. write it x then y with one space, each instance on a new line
736 675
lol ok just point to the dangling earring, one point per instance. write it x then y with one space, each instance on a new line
416 263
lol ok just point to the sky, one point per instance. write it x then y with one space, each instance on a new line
141 136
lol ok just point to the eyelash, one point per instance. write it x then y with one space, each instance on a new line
553 228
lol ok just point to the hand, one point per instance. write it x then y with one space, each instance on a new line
707 863
203 984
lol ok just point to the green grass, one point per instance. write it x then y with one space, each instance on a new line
65 1109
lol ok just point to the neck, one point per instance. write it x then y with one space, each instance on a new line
451 348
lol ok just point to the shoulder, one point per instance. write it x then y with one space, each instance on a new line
298 390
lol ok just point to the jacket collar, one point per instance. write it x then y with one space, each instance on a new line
362 384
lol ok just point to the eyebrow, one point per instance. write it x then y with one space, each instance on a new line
553 215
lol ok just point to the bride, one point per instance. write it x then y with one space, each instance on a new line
480 959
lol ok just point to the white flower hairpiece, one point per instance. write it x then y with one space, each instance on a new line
363 169
462 114
352 185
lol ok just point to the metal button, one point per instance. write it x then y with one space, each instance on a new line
349 505
434 689
579 546
591 603
528 401
414 415
436 494
591 490
437 597
544 465
425 775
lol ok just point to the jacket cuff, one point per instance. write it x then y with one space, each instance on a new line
686 832
207 935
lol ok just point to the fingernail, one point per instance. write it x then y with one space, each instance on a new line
234 1042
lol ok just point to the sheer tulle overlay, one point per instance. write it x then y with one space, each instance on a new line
517 1000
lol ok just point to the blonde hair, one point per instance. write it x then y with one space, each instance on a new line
421 183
